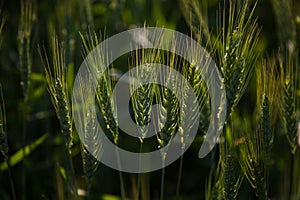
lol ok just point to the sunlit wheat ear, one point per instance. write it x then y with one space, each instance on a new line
142 97
3 135
289 99
104 88
169 113
88 125
267 95
24 43
237 52
55 70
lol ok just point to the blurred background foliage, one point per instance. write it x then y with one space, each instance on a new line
45 164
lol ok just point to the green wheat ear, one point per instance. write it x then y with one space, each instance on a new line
24 44
237 51
104 88
231 176
169 112
289 87
268 95
255 152
142 98
90 165
57 85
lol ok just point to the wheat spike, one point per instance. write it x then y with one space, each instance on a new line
289 84
104 89
237 54
232 179
142 97
90 164
58 89
170 107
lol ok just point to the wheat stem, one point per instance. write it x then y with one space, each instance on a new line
179 178
4 144
162 180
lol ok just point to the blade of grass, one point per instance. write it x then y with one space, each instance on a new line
19 157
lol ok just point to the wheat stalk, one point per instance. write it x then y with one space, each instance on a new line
2 22
3 136
286 27
24 44
4 148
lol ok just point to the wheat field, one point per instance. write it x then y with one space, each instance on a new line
255 45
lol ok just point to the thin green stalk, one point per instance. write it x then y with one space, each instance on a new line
24 46
11 181
122 186
139 174
162 180
4 148
291 176
24 130
179 177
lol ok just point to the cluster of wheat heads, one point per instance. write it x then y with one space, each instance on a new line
246 152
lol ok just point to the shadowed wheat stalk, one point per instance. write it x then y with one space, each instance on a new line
3 142
285 21
26 22
2 22
24 44
3 136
